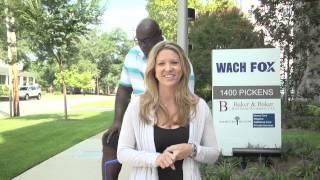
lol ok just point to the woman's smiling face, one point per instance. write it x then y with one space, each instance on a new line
168 68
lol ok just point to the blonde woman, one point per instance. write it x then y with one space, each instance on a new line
167 131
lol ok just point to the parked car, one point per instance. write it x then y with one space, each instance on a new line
73 90
33 91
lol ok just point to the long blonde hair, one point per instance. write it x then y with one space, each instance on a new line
150 101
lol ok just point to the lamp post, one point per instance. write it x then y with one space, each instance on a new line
184 14
182 31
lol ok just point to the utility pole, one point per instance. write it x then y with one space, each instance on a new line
12 55
10 89
182 32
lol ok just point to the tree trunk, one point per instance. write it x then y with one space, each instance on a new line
64 90
287 53
97 86
64 94
65 100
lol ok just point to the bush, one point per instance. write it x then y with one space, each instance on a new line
222 169
4 90
309 170
313 110
261 172
304 122
317 112
225 168
303 163
57 92
296 148
316 125
299 123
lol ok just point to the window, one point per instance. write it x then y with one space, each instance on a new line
24 88
25 80
3 79
31 80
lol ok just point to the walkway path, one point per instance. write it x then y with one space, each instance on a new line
80 162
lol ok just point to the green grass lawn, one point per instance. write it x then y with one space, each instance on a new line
27 141
313 137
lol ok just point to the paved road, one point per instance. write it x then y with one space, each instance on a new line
49 105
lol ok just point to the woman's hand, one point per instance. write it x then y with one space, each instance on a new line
166 159
180 151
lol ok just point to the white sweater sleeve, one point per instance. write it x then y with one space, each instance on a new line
127 152
207 151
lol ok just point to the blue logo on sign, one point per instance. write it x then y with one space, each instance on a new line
262 66
264 120
242 67
231 67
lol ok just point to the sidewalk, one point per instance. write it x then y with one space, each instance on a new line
81 162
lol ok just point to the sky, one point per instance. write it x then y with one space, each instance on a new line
125 14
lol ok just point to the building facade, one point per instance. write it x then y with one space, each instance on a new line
25 78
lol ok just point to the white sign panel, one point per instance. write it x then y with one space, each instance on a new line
246 98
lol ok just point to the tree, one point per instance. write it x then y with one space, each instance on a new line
45 73
3 35
110 81
80 76
305 79
106 50
165 12
223 29
56 27
13 6
294 27
13 48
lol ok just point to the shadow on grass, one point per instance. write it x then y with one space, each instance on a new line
60 116
22 148
37 117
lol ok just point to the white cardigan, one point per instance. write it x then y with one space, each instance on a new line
137 149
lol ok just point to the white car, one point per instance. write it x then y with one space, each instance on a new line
26 92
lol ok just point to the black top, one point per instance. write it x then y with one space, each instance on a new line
164 138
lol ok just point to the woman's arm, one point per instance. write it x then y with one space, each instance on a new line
127 152
207 150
